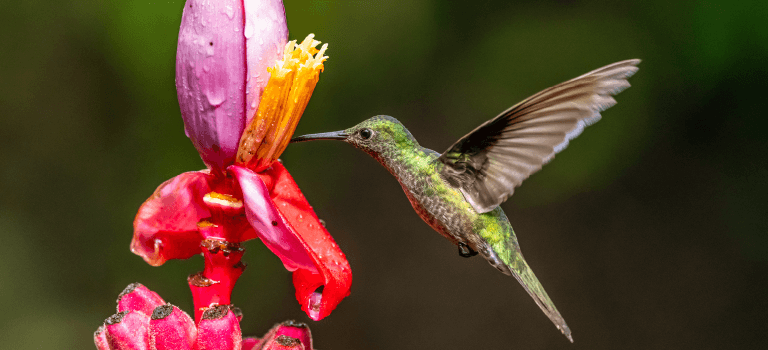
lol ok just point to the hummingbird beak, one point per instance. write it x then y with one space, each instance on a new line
335 135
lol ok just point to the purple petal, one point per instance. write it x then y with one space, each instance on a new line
213 63
266 34
269 224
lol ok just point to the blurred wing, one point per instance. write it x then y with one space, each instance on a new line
489 162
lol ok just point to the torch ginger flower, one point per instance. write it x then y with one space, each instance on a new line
144 321
240 120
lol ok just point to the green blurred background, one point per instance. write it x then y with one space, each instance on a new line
648 232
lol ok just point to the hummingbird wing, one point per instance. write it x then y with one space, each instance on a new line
489 162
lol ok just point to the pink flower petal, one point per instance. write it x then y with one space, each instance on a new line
137 297
266 33
166 224
250 343
219 329
128 330
289 335
171 329
100 338
318 292
223 52
296 330
269 224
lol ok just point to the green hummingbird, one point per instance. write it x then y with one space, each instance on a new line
459 191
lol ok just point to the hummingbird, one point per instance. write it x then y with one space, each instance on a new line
458 192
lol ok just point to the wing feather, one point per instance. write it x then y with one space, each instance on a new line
492 160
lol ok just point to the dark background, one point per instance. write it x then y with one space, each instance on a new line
648 232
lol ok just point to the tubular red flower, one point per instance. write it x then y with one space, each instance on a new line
230 53
279 215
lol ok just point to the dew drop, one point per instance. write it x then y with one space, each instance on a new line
314 305
248 29
229 11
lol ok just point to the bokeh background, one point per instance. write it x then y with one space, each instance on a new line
649 232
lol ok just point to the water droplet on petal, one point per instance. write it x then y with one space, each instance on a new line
248 29
314 305
229 11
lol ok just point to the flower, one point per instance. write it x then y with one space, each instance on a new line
240 118
144 321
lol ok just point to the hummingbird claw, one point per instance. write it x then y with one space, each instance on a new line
465 251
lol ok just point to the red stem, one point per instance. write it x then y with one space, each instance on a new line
222 234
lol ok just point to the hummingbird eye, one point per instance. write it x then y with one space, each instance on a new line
366 133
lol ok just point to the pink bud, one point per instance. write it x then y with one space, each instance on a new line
128 330
219 329
250 344
297 330
100 338
287 335
224 50
171 329
136 297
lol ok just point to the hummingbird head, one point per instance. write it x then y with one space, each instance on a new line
376 136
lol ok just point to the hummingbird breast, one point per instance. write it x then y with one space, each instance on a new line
440 205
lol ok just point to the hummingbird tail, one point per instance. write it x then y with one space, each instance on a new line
513 264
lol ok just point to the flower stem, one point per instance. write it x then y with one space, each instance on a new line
222 234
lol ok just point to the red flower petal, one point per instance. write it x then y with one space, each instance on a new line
219 329
136 297
318 292
268 223
171 329
166 225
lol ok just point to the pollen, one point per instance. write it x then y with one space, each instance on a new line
223 201
285 97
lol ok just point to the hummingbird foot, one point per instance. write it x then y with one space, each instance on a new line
465 251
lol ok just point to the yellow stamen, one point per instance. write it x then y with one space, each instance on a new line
222 200
283 102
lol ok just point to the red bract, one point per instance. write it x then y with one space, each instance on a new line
166 327
226 52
